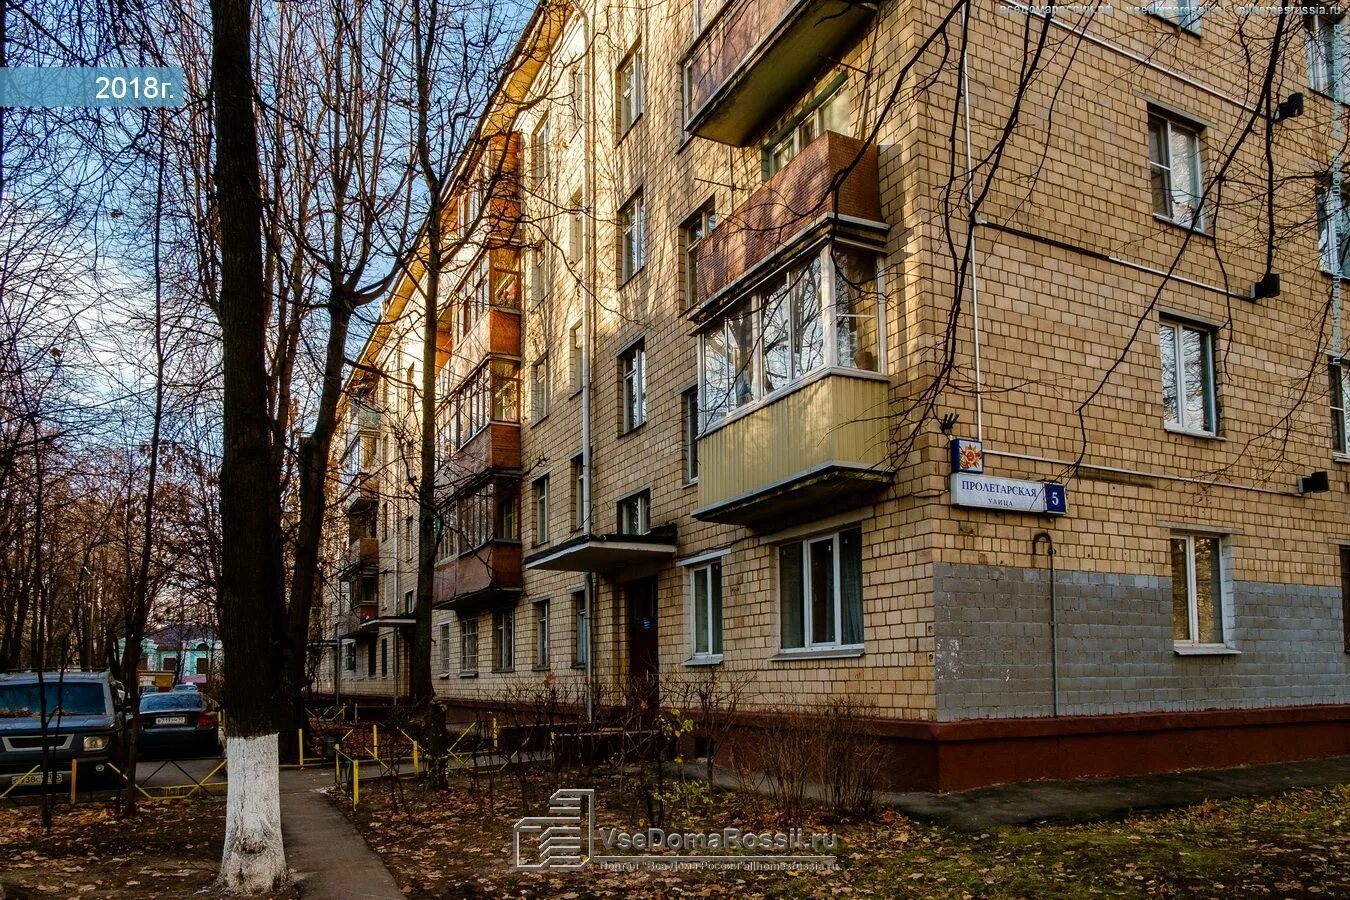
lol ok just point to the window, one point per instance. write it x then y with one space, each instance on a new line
202 665
692 232
628 90
1174 164
541 510
541 634
445 648
1188 377
855 304
1340 414
506 520
831 111
541 275
349 657
633 376
635 513
820 591
704 11
689 406
1197 589
408 601
468 646
384 657
503 640
370 660
411 387
1333 230
168 664
582 639
1183 13
705 592
408 542
491 394
632 238
575 229
1345 596
576 93
578 493
539 388
574 356
540 157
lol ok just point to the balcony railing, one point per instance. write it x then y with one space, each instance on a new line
758 55
490 572
821 446
362 556
833 180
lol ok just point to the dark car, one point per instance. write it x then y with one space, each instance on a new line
178 722
83 717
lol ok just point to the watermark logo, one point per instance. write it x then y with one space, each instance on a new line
564 840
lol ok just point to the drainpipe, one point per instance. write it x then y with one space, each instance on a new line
587 332
1054 619
970 238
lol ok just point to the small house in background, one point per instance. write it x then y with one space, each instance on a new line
190 652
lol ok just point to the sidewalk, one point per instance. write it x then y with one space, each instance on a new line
1088 798
326 855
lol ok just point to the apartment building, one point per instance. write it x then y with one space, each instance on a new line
745 380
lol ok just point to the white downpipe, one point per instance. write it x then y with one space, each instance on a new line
254 857
1334 203
970 234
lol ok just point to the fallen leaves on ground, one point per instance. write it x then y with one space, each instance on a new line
456 844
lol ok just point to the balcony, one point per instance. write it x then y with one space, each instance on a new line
822 447
479 577
758 55
791 208
495 449
364 494
362 557
495 333
605 553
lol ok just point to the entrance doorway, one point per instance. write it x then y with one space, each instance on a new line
644 656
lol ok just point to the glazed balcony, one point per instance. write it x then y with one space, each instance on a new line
756 56
478 577
494 449
494 333
791 208
821 446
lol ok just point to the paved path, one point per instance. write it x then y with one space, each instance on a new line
323 849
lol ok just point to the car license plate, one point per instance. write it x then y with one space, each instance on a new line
36 778
172 720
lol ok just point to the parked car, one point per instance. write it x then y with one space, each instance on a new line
178 722
84 717
185 687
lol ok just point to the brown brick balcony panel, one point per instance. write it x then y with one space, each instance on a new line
788 204
364 494
495 334
758 55
494 567
495 448
362 554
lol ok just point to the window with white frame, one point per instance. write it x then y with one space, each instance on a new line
541 273
1326 56
541 509
539 397
349 656
574 356
633 379
1174 166
504 640
632 237
578 493
1183 13
628 90
446 654
705 11
1198 589
409 600
1340 422
491 394
408 543
635 516
540 161
820 591
581 638
692 426
692 233
831 110
789 326
541 610
575 228
705 597
1333 231
468 646
1188 378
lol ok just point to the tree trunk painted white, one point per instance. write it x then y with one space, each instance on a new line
254 860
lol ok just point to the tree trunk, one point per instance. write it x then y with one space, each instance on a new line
314 455
251 616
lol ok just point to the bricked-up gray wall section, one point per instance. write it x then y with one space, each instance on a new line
992 629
